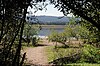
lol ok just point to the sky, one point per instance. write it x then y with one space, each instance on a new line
51 11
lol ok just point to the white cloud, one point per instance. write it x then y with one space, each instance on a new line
51 11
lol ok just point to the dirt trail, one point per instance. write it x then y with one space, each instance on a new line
36 55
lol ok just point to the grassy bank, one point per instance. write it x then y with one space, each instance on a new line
58 55
53 53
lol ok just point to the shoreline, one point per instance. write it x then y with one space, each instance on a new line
52 26
41 37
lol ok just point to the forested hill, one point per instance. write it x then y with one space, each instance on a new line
48 19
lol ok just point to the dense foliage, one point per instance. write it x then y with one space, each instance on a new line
87 9
90 54
12 19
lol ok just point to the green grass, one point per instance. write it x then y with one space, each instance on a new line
82 64
53 54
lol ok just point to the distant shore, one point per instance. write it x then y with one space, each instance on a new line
52 26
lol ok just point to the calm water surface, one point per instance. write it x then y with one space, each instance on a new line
48 31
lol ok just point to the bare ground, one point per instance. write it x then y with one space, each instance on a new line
36 56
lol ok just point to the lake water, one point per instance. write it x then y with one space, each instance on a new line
47 31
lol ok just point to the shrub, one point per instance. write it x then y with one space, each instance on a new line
90 54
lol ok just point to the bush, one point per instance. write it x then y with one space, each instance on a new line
90 54
35 40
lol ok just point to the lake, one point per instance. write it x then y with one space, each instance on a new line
45 31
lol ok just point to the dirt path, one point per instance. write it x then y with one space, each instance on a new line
36 55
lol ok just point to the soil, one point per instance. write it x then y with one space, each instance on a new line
36 55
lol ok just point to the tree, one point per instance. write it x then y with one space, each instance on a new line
30 31
68 32
92 32
53 37
12 18
87 9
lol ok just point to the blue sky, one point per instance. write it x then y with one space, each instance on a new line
51 11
